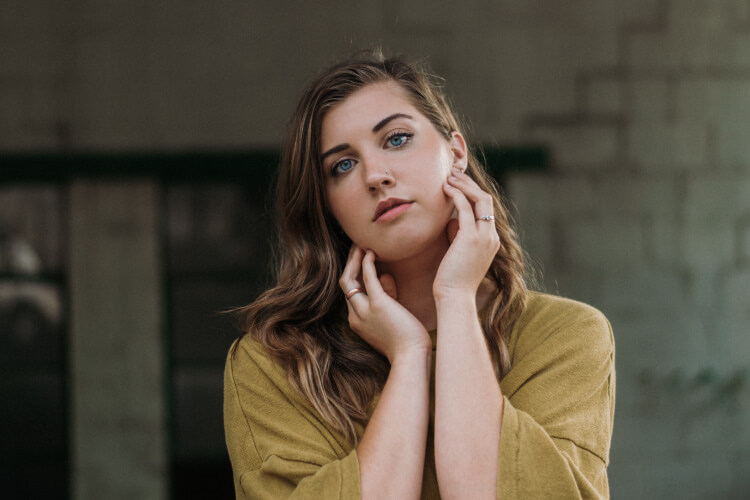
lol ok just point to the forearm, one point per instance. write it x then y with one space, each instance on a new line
391 452
468 403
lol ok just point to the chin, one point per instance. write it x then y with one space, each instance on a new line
410 246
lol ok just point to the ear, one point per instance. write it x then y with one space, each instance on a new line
458 148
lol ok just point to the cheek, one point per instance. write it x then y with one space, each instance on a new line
344 208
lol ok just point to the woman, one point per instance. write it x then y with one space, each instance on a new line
399 354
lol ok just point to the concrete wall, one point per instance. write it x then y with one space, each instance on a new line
644 104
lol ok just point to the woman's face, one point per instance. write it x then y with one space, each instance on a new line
385 164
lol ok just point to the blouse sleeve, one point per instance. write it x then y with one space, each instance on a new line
559 410
277 446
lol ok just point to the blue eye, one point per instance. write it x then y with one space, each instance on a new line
342 166
398 139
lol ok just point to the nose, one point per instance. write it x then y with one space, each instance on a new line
378 176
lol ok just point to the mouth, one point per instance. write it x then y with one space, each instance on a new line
390 208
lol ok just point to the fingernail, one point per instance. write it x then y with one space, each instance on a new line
453 178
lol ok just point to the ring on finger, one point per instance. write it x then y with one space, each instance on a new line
487 217
354 291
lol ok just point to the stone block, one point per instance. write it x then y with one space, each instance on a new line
717 199
580 146
658 146
665 239
690 476
642 196
527 90
648 100
537 195
744 241
624 475
660 53
688 16
658 136
604 96
531 194
689 142
654 342
603 243
537 241
573 284
729 103
732 146
639 289
735 295
722 104
732 50
708 248
573 195
696 37
639 12
694 99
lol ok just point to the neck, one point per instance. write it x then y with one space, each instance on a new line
414 278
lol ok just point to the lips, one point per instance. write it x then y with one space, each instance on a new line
387 205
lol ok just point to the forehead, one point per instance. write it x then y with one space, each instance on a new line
366 107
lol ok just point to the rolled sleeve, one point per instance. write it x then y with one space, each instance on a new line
558 412
277 444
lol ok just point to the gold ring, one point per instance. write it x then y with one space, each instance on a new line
354 291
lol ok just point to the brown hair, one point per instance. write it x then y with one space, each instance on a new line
301 320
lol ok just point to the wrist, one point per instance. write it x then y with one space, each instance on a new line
412 354
453 297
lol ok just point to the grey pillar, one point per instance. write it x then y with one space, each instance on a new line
118 436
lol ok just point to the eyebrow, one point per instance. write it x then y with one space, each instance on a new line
333 150
382 123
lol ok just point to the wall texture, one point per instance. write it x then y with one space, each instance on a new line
644 104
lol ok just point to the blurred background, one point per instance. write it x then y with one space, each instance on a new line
138 139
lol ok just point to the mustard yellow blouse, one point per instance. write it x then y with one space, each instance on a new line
556 428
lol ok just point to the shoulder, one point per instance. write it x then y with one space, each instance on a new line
553 320
251 367
248 353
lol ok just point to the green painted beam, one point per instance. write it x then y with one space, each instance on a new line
249 166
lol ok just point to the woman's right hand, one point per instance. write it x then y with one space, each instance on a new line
375 314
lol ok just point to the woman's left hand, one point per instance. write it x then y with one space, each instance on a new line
475 243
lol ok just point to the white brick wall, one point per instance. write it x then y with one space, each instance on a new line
662 247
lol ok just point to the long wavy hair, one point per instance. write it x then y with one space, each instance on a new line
302 319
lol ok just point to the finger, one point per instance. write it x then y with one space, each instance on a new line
350 275
370 274
481 200
389 285
349 281
466 217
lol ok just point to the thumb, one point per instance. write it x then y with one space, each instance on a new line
452 229
389 285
